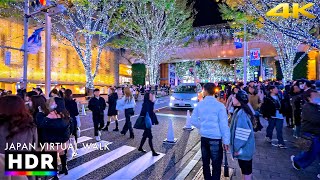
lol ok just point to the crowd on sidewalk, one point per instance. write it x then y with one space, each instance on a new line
231 124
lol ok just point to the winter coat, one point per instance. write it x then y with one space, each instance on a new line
148 106
72 107
53 130
242 136
311 118
270 107
296 102
97 106
112 101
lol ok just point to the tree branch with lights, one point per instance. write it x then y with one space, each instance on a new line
87 26
156 28
286 46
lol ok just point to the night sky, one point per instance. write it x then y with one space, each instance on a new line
208 13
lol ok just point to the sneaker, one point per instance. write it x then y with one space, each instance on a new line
294 165
99 133
282 146
268 140
98 138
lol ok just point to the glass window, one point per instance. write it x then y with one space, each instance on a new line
186 89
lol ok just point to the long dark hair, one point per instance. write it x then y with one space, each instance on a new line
14 112
39 101
61 108
68 94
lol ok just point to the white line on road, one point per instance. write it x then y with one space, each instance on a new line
121 119
171 115
83 139
135 168
96 163
184 173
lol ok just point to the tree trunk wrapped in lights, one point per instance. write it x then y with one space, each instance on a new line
154 28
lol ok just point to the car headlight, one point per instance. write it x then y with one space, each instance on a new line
194 98
172 98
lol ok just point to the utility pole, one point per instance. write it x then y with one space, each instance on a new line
48 55
25 48
245 56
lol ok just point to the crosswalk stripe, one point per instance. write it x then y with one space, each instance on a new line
184 173
83 139
135 168
85 150
98 162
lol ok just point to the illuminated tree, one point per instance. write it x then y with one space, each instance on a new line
286 46
154 29
87 26
305 28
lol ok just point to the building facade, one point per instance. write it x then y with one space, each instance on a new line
67 69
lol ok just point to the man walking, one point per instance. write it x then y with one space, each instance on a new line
97 105
210 117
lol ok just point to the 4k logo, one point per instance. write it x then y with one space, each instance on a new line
295 13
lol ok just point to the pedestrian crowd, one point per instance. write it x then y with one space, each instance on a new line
238 108
35 119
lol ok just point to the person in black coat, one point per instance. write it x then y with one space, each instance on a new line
287 106
112 112
97 105
311 128
56 129
272 111
148 107
72 108
296 102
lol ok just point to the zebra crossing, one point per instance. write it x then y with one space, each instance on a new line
130 171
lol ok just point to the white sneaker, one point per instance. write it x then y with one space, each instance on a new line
99 133
268 140
98 138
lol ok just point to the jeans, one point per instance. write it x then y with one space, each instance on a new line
278 123
211 149
304 159
128 125
98 123
296 131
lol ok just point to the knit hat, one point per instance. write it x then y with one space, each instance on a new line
242 97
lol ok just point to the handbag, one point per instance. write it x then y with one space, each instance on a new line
225 166
148 121
140 123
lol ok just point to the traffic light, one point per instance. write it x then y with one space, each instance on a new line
36 4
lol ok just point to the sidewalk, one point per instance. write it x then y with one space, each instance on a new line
271 162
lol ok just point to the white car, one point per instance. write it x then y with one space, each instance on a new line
185 96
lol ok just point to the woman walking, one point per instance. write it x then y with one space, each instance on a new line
56 129
127 103
112 112
148 107
242 136
72 108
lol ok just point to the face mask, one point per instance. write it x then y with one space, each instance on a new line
53 107
301 86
